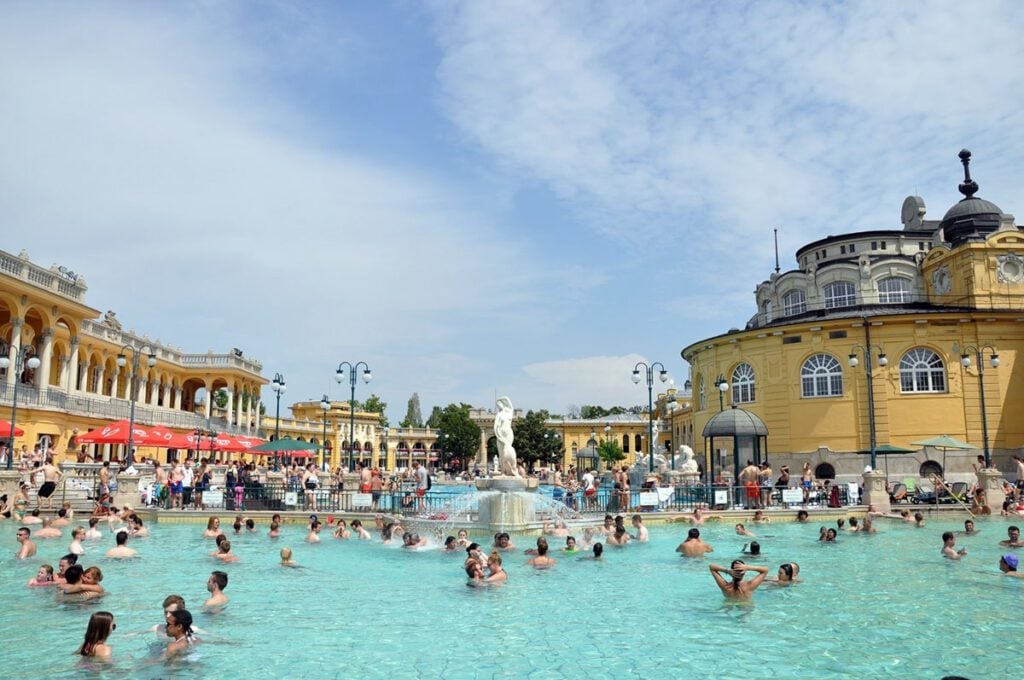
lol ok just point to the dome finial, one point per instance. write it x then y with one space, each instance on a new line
968 187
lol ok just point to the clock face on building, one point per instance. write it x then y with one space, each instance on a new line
1011 268
941 281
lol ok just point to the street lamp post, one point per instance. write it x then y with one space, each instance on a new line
122 361
339 375
5 362
279 387
325 404
882 361
965 361
663 376
723 386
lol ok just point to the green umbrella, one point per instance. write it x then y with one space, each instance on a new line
284 444
944 442
886 449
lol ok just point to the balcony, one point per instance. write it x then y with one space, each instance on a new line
109 408
56 279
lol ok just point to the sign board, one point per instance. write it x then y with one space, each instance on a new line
721 497
362 500
291 498
649 498
792 496
213 498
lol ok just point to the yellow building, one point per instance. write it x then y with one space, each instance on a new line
79 385
919 312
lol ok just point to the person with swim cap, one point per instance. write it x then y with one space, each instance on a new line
738 589
1008 564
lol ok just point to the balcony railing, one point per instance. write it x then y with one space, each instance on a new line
109 408
53 279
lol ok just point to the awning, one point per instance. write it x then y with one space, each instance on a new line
116 433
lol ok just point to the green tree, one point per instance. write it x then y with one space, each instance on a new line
413 414
459 435
534 441
435 415
610 452
220 398
376 405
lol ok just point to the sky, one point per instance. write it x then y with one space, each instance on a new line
482 198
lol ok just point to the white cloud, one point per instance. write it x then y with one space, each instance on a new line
586 380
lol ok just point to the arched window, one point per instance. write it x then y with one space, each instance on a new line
794 302
840 294
893 290
824 471
922 370
742 384
929 468
625 443
822 376
703 396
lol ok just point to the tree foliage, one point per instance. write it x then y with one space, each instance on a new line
594 412
534 441
435 414
458 435
610 451
413 414
377 405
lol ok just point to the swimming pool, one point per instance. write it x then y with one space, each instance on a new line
870 606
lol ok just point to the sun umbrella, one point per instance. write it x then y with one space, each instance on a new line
945 442
886 449
115 433
219 442
284 444
5 430
241 442
168 439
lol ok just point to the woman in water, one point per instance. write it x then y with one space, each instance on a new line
342 530
101 625
43 577
179 627
497 574
212 527
788 574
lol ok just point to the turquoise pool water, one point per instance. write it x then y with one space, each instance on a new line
870 607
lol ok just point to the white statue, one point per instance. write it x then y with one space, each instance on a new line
689 466
504 435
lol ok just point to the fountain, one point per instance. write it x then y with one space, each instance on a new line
506 501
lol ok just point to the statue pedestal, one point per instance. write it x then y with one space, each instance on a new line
875 493
990 481
127 491
10 482
511 507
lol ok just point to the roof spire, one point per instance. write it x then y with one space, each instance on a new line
968 187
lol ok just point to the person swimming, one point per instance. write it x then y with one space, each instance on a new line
286 558
738 589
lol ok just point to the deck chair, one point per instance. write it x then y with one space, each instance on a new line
959 491
912 488
899 493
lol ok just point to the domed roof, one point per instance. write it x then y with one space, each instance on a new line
972 218
735 422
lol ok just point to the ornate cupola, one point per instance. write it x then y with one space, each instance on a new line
973 218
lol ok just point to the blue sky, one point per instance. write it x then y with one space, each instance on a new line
520 198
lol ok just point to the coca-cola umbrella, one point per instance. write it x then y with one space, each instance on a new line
167 438
241 442
115 433
5 430
219 442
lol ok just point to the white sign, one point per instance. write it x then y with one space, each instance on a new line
649 498
792 496
213 498
721 497
362 500
291 498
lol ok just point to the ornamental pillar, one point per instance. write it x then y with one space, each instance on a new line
71 385
42 377
12 353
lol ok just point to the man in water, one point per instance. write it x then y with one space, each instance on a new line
121 551
502 541
693 546
949 550
1014 538
738 589
26 548
48 530
1008 565
51 477
314 532
542 561
216 584
224 553
802 517
969 529
641 531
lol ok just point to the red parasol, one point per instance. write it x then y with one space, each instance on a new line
115 433
221 442
240 442
169 439
5 430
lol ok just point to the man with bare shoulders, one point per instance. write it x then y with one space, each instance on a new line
364 478
104 479
177 485
1008 564
216 584
693 546
48 530
1013 538
949 550
51 477
121 551
737 588
160 476
26 548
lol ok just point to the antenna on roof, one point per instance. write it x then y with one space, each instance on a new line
776 250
